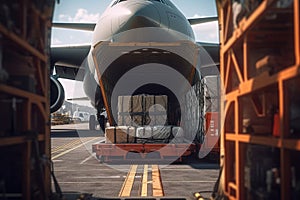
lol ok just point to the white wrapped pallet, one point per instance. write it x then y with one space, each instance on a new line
160 134
144 132
178 135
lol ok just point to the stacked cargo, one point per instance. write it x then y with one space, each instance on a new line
140 110
192 112
144 134
142 119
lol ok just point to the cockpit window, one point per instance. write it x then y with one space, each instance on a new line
116 2
161 1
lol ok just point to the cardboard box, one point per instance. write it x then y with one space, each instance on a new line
142 110
120 134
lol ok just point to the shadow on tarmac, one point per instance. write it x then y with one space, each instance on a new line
62 133
192 161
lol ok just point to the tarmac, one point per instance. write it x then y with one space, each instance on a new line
79 171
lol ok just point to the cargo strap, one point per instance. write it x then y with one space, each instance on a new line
115 135
171 134
127 134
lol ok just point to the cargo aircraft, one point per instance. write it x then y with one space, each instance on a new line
129 33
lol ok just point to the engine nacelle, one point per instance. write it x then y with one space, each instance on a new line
57 94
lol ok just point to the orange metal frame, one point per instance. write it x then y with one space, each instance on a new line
164 150
260 89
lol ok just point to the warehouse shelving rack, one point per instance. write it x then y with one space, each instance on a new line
260 68
24 96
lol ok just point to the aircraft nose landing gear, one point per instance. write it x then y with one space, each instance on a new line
101 120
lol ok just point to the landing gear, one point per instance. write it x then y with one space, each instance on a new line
101 120
92 122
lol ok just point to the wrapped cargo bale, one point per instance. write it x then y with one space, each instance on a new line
140 120
130 110
120 134
137 104
124 109
144 132
178 135
192 115
157 108
160 134
140 110
124 119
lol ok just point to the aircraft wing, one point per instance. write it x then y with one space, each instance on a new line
77 26
91 26
68 59
201 20
79 99
210 66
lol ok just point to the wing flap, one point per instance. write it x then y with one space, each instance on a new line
68 61
201 20
76 26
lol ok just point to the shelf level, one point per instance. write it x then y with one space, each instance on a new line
255 139
292 144
263 81
240 32
15 140
22 93
23 43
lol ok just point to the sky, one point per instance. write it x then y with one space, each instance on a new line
91 10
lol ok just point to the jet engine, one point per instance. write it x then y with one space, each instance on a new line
57 94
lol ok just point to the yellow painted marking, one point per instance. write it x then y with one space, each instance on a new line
69 150
145 182
156 181
66 145
128 183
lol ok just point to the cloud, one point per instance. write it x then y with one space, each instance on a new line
82 15
63 17
207 32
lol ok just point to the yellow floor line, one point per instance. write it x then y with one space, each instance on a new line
145 182
69 150
64 146
128 183
67 145
156 181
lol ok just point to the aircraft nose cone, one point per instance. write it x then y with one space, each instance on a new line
142 15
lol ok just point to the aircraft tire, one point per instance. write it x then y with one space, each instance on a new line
92 122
